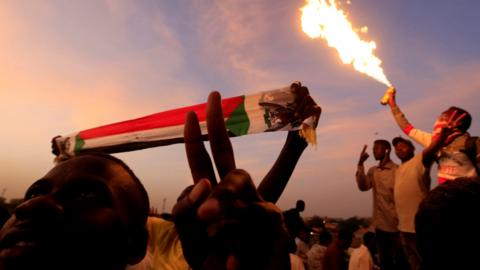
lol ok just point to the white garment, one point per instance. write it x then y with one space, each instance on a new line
361 259
315 257
302 249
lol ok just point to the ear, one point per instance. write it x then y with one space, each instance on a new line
137 246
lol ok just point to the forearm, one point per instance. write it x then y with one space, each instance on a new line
429 153
401 119
420 136
363 182
274 183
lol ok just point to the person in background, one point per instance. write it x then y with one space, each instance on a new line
412 184
336 256
293 219
459 152
381 180
302 242
316 254
361 257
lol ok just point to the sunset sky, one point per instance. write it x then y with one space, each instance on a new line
72 65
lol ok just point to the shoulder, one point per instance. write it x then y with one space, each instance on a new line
417 158
391 165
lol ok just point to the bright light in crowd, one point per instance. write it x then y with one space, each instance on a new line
322 18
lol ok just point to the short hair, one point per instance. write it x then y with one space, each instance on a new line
345 233
466 120
385 143
145 203
448 219
325 238
399 139
300 204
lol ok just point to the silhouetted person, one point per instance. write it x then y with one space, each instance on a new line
447 226
336 257
381 180
293 219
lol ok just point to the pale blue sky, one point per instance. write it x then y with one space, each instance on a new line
72 65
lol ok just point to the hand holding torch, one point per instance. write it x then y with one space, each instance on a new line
386 97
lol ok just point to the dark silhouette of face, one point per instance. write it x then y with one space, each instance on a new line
379 151
83 214
300 205
403 151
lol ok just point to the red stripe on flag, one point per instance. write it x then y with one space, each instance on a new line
158 120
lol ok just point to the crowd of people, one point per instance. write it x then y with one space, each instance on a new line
413 228
92 212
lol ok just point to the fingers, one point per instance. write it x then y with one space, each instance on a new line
457 121
192 197
452 116
190 229
235 188
198 158
364 149
220 145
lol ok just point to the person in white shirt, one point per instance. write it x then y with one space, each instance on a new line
361 258
317 252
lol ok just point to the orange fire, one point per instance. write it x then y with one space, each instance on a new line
322 18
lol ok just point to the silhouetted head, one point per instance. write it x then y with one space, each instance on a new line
404 148
381 148
325 238
88 212
304 234
345 237
300 205
369 241
448 219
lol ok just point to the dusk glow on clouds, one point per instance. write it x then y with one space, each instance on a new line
71 65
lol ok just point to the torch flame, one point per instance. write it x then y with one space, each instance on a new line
323 19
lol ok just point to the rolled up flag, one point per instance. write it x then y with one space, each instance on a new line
287 108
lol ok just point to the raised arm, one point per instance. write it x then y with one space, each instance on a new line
420 136
274 183
364 181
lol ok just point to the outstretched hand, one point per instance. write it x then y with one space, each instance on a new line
225 224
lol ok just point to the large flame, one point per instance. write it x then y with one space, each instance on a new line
324 19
